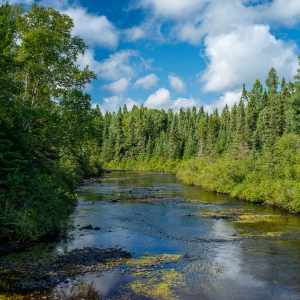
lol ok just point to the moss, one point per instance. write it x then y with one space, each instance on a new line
12 297
159 285
148 261
267 235
151 280
219 214
249 224
259 218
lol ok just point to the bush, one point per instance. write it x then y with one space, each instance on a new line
153 164
35 206
271 177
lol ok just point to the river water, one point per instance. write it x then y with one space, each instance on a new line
186 243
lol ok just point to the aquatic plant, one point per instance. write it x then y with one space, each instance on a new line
158 284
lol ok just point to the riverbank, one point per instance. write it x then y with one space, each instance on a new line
271 177
185 243
246 179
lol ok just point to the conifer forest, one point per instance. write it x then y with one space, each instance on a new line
51 136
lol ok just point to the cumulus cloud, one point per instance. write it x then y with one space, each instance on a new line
173 8
117 87
122 64
229 98
147 82
160 99
135 33
282 11
117 65
188 32
184 103
244 55
95 30
88 60
176 83
233 32
113 103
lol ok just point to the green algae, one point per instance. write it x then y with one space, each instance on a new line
158 284
259 218
153 278
249 224
149 261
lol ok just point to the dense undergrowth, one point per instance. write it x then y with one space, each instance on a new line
272 177
153 165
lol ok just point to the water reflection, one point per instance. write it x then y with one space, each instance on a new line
223 258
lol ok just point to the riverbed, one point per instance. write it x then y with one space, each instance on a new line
185 243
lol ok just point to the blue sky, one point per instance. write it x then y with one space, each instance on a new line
181 53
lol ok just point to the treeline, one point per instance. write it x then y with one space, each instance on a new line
254 124
51 137
250 151
48 134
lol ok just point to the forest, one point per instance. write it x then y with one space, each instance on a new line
51 137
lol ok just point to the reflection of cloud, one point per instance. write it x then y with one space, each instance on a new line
229 256
106 283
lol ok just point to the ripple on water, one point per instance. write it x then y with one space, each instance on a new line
227 249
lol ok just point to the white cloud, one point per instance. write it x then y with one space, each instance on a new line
173 8
135 33
176 83
225 16
160 99
188 32
282 11
184 103
95 30
88 60
117 87
122 64
147 82
117 65
229 98
113 103
244 55
196 18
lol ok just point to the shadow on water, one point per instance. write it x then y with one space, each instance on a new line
186 243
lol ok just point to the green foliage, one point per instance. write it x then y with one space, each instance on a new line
249 151
51 137
272 176
152 164
47 127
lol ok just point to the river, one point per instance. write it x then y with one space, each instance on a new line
186 243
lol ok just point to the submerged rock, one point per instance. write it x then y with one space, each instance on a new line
40 275
90 227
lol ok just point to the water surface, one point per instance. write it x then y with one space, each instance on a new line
221 257
186 243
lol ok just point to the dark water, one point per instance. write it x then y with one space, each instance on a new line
224 250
